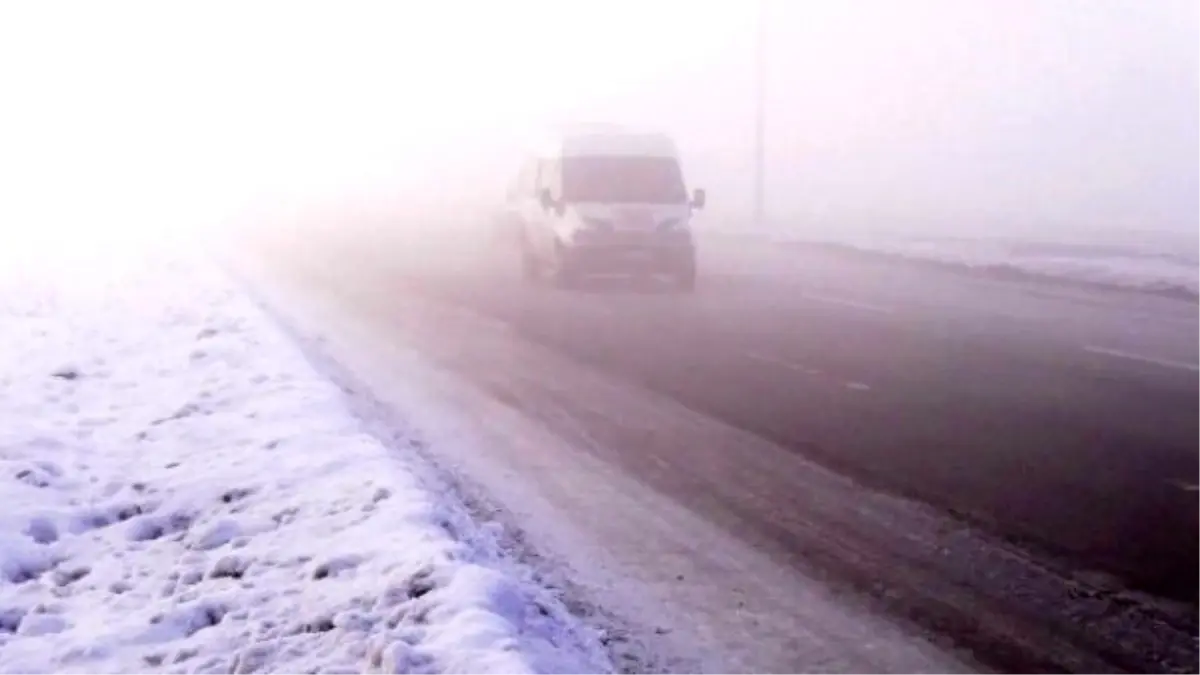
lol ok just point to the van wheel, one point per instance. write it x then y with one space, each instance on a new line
564 273
685 276
530 269
686 282
565 277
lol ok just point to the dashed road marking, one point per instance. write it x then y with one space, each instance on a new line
1165 363
762 358
800 368
865 306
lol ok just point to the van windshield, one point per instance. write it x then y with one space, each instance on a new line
645 180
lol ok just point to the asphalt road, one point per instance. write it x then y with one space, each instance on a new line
1062 420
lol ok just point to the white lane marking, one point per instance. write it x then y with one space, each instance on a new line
1166 363
772 361
866 306
762 358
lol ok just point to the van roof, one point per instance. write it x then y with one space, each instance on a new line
608 140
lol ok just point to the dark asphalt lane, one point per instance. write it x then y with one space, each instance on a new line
1068 418
1063 419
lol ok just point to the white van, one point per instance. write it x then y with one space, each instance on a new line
602 201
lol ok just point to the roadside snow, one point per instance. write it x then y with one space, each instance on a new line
1115 266
1142 261
181 492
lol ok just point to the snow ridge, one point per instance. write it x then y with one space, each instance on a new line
1112 268
181 492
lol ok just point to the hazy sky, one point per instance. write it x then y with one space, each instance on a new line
907 113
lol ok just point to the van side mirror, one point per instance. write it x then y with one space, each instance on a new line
549 203
699 197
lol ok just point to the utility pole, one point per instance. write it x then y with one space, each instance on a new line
760 116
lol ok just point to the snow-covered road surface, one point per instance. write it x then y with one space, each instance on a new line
634 442
518 425
1157 263
180 491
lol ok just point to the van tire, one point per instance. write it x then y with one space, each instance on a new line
565 277
530 269
563 274
685 281
684 275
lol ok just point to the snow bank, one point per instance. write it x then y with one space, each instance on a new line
1158 263
181 492
1107 266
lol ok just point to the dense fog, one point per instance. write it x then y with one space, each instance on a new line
971 118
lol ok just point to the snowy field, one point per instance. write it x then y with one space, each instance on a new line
1125 266
1162 263
180 491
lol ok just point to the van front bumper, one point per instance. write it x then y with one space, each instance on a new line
662 251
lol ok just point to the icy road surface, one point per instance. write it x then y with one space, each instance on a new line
815 463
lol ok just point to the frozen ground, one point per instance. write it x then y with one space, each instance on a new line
1161 263
181 492
1113 265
